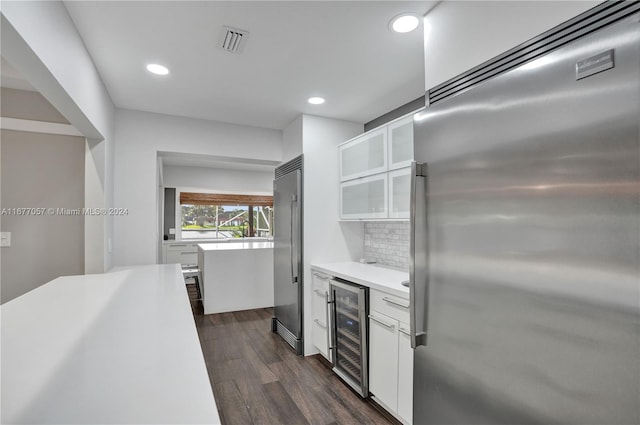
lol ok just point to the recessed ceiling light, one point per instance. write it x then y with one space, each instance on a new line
405 22
316 100
154 68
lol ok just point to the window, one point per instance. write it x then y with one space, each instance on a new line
213 216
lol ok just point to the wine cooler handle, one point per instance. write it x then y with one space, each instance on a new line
418 256
331 339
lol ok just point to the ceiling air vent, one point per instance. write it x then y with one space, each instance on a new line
233 39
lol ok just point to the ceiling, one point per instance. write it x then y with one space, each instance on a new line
342 51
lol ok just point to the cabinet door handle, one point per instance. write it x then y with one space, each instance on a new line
404 331
394 302
382 322
321 276
319 323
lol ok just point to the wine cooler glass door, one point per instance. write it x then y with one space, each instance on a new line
350 335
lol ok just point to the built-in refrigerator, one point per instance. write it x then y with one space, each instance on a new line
287 253
525 232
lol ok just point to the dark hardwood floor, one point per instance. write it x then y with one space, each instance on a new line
257 378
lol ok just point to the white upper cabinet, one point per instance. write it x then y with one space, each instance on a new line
364 156
400 135
381 154
364 198
399 193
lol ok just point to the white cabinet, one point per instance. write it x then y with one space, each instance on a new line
400 141
319 313
384 153
405 374
390 355
364 155
181 253
399 193
365 197
383 360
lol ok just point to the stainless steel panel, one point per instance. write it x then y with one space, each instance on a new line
287 252
533 217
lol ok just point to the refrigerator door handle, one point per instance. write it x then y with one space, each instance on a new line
293 256
418 256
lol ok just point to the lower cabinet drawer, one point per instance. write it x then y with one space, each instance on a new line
184 254
392 306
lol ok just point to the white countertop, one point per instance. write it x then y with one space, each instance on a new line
235 246
117 348
219 240
370 275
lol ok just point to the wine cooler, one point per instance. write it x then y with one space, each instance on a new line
349 333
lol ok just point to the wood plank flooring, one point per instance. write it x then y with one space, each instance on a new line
257 378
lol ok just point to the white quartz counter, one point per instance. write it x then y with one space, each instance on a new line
235 246
117 348
218 240
370 275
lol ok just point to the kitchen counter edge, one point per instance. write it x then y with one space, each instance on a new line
370 275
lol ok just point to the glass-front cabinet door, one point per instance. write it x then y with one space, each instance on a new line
401 143
364 198
399 193
364 156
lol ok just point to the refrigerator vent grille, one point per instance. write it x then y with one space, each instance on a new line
287 167
233 39
289 337
592 20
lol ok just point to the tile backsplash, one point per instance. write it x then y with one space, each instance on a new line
387 243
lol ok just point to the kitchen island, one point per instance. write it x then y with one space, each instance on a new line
117 348
236 276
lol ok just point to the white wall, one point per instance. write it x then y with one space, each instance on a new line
218 180
96 255
464 34
139 137
41 171
325 238
28 105
292 140
41 42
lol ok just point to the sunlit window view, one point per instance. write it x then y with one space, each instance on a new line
226 221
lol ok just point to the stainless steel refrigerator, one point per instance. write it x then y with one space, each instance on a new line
525 232
287 253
